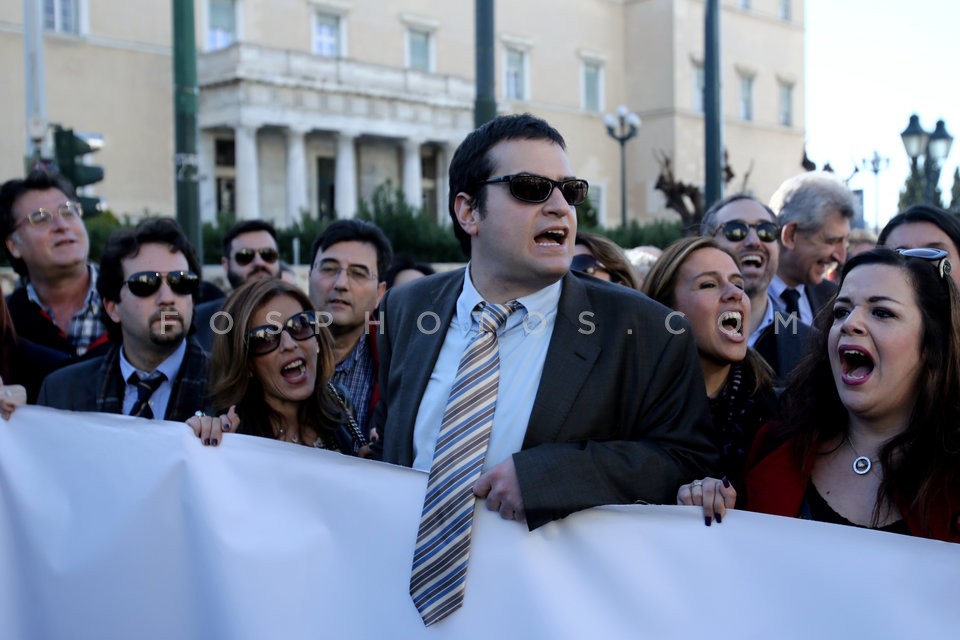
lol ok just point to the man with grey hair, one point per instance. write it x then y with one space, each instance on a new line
814 211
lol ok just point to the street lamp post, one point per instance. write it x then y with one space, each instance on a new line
934 147
875 165
621 128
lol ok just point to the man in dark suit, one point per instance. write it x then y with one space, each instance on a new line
601 398
250 252
814 210
149 282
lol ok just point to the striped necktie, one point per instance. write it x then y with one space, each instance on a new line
146 385
443 541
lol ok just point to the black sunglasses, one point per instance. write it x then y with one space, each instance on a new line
146 283
737 230
243 257
527 187
266 338
586 263
939 256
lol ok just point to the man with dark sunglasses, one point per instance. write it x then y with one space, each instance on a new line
57 305
748 228
149 283
552 391
250 252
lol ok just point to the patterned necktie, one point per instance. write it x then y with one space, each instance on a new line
792 299
145 388
443 541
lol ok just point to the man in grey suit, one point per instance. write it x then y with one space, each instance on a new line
814 210
601 399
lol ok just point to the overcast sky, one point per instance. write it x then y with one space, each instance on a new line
869 65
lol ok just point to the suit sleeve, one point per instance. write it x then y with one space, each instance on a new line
660 444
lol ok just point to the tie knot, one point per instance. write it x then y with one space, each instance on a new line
792 299
492 316
147 383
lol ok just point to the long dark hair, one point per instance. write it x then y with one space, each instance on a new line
661 283
231 380
921 464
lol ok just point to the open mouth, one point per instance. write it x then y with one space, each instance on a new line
731 323
754 260
551 238
294 369
856 365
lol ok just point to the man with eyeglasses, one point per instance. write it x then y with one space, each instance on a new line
57 305
520 383
350 262
149 283
748 228
250 252
814 210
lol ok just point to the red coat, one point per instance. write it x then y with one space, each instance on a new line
776 485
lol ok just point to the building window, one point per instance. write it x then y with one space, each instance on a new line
326 34
699 86
786 104
515 82
785 9
746 97
223 24
62 16
418 50
592 86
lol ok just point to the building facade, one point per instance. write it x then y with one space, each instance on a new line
308 105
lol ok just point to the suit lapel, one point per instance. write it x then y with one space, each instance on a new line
442 302
573 350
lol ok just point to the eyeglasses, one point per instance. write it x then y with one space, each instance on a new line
355 272
266 338
146 283
939 256
586 263
737 230
527 187
69 211
243 257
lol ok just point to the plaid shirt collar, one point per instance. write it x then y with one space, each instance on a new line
86 324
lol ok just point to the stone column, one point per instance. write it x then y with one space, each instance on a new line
443 183
345 188
248 174
207 150
412 173
297 201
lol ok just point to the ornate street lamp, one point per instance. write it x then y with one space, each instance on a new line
934 147
621 128
875 165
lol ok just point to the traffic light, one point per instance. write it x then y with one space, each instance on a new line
69 149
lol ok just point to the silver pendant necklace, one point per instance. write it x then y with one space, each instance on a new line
861 464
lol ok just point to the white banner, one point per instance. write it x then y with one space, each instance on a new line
112 527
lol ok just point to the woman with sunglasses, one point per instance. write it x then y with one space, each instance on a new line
271 373
602 258
704 284
924 226
871 425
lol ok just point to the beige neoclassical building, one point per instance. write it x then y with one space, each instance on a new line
308 105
